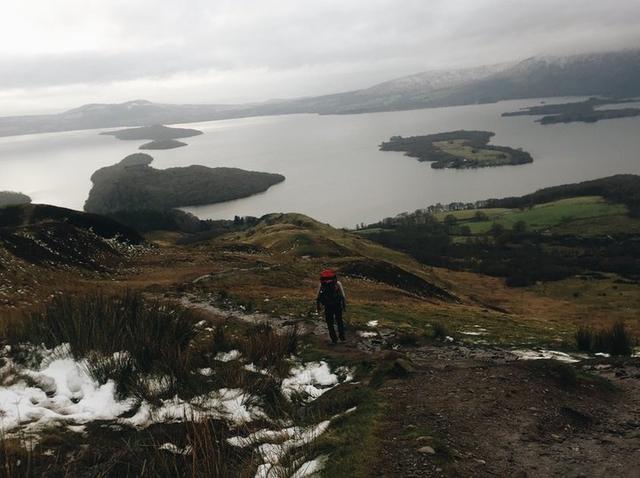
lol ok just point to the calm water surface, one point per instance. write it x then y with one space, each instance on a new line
334 170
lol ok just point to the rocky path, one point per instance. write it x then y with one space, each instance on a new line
472 411
466 413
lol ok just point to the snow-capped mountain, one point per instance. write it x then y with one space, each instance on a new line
436 79
614 74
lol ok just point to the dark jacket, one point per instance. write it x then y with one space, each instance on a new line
341 294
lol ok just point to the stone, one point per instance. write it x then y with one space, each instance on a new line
402 368
427 450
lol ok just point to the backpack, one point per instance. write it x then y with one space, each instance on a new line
329 295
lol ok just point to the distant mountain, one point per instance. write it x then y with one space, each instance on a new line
421 90
613 74
131 113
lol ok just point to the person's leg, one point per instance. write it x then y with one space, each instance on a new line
329 314
340 323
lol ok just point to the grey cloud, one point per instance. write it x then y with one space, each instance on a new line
159 39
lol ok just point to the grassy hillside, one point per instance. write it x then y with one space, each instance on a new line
45 249
585 215
279 260
555 233
213 362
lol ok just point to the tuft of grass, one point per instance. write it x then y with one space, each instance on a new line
265 347
616 340
352 441
123 338
16 459
220 341
439 330
156 335
584 339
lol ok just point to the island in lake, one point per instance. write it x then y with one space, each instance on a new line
582 111
457 150
162 137
11 198
133 184
163 144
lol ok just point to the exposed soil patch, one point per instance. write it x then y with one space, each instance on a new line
394 276
499 417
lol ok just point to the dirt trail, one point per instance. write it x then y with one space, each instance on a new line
477 411
485 414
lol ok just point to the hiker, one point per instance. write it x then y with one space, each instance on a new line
331 296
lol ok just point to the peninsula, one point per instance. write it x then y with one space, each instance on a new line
133 184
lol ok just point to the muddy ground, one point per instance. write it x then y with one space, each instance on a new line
466 412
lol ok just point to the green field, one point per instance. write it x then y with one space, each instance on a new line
587 215
462 149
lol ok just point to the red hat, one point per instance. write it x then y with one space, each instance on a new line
328 275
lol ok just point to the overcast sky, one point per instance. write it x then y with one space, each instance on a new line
56 54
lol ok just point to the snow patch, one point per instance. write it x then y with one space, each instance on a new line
366 334
312 467
274 445
544 355
170 447
312 379
60 393
228 356
472 332
228 404
250 367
